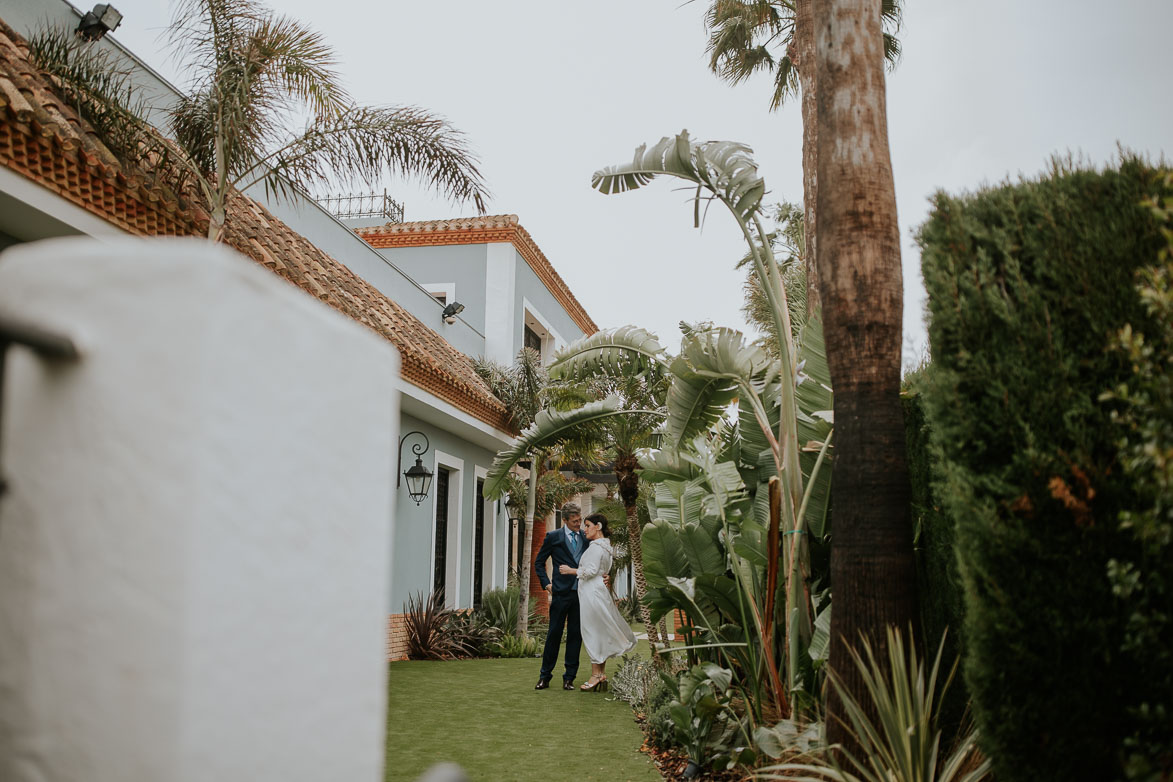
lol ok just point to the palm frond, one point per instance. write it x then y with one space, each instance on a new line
552 428
103 94
364 144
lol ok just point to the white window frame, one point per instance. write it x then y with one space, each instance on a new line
456 467
448 289
551 340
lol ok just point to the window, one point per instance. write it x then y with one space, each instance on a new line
478 550
532 340
439 575
442 292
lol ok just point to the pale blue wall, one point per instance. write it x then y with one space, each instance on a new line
412 544
462 264
530 287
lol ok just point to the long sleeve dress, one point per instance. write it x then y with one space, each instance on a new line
604 632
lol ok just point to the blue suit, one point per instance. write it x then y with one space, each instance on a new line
564 606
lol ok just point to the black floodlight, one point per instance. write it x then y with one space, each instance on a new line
105 18
451 311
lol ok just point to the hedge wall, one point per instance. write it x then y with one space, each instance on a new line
1028 287
938 581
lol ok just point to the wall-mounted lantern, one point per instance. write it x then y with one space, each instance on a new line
419 478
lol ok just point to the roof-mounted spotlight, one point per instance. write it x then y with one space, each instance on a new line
96 23
451 311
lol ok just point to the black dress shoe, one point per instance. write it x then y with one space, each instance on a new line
568 684
542 684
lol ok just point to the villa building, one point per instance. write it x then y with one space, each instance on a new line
399 280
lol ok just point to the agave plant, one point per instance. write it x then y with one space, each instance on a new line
897 732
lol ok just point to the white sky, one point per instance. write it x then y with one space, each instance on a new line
548 92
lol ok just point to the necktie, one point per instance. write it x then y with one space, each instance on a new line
577 538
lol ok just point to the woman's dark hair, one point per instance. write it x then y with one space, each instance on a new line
601 521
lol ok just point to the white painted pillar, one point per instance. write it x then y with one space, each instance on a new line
194 552
501 313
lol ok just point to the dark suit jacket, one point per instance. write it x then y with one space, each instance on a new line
557 548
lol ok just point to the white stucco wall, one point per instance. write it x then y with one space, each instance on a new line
194 552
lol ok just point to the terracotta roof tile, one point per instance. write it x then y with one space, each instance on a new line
43 138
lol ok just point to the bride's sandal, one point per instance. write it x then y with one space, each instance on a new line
595 685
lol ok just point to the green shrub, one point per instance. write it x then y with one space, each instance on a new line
499 607
1028 285
512 646
661 730
1142 411
633 681
938 582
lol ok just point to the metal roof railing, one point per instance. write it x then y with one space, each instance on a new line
347 206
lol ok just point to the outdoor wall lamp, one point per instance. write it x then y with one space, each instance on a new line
105 18
419 478
451 311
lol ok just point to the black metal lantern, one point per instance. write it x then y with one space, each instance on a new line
419 478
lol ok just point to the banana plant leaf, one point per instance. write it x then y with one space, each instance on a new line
665 465
705 555
695 403
725 168
664 556
820 645
677 501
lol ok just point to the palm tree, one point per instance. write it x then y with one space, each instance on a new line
872 566
777 36
253 73
523 388
628 365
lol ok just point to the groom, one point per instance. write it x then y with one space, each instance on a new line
564 546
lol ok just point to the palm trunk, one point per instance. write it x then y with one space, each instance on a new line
872 567
802 55
525 566
625 466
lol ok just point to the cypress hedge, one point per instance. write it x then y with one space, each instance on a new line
1029 285
938 581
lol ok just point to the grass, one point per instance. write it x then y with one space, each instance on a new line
486 716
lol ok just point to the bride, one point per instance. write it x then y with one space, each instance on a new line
604 633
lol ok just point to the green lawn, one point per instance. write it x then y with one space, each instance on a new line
486 716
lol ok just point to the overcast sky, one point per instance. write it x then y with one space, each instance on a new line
548 92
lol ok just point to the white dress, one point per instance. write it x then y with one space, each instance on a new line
604 632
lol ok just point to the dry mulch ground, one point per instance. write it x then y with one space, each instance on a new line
671 764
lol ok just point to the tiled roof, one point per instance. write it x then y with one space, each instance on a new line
483 230
44 139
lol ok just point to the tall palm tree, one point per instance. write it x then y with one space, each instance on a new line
523 387
252 75
747 37
626 368
626 364
872 566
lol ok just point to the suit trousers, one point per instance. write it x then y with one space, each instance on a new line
563 614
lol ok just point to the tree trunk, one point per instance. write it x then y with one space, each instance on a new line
802 55
872 567
625 476
528 547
